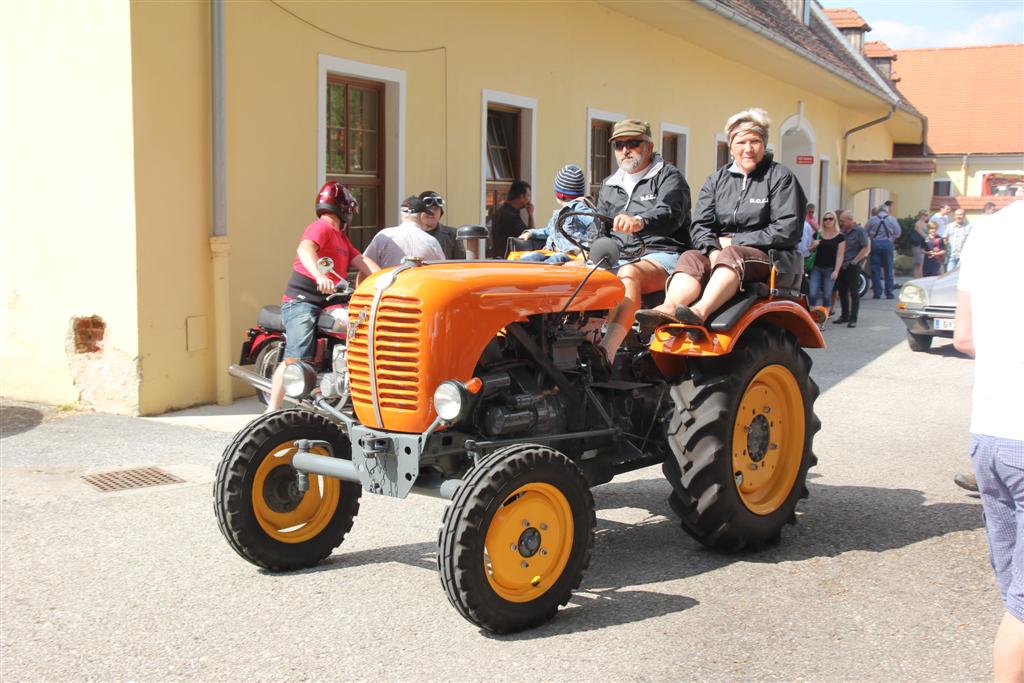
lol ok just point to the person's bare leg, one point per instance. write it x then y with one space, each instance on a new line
722 286
276 389
638 278
1008 651
683 289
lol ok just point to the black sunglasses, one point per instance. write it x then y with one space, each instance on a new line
434 200
629 144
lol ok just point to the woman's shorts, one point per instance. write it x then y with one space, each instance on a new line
918 253
749 263
665 259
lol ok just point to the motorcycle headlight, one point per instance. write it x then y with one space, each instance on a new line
913 295
451 400
299 379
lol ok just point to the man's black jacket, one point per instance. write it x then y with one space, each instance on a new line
662 198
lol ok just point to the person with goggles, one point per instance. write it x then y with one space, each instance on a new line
445 235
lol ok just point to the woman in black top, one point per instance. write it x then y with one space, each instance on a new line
829 250
745 209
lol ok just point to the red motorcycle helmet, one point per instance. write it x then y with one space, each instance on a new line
337 199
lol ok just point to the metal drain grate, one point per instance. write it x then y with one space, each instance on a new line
131 479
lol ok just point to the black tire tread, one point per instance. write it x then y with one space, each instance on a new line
707 399
465 519
232 506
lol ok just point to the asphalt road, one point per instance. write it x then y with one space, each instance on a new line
885 577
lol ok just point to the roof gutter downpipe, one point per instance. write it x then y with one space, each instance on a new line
219 245
846 149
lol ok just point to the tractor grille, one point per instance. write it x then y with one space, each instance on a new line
397 342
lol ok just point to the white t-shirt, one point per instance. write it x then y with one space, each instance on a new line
389 246
992 277
630 180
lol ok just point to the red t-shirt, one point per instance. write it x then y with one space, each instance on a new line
329 242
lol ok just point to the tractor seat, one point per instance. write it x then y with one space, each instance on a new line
270 318
733 309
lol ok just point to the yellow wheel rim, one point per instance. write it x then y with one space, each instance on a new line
768 439
280 512
528 542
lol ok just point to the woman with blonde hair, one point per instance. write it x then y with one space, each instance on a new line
745 209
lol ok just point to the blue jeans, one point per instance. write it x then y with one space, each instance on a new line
299 320
821 281
541 257
882 254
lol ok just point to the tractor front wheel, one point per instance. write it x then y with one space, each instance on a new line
516 538
261 511
741 440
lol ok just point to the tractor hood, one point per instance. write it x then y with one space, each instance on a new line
413 327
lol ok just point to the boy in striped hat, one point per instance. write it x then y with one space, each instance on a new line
570 190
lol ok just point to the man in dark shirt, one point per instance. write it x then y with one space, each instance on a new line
857 249
507 221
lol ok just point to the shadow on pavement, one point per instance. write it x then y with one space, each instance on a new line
834 520
18 419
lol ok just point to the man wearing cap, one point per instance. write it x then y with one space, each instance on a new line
445 235
650 201
409 238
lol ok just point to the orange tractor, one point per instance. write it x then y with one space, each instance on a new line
482 382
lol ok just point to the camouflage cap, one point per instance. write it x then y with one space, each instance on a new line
631 128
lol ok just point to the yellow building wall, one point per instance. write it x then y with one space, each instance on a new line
910 191
66 197
272 86
172 133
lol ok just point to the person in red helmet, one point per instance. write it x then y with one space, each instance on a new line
306 293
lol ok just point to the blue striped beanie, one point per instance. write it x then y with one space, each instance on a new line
570 181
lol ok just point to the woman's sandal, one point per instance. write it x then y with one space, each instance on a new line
686 316
649 318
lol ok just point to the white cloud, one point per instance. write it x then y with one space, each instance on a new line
989 29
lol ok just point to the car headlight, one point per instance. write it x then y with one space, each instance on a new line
299 379
913 295
451 400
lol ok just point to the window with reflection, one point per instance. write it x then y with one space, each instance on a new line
355 149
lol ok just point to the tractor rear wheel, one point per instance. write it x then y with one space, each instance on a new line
741 439
516 538
261 512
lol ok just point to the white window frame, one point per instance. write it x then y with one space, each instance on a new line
599 115
678 130
527 138
719 137
823 183
394 81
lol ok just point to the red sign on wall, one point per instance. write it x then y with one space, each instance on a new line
805 160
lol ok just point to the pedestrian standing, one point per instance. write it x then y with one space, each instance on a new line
956 236
983 330
856 249
883 230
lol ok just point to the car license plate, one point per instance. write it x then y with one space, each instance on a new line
942 324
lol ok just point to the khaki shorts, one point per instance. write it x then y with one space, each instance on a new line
749 263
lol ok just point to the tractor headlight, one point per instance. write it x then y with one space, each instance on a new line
299 379
451 400
913 295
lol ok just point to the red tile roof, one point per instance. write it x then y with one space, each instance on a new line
816 38
877 49
971 203
973 96
846 17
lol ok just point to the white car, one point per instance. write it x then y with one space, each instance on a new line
927 306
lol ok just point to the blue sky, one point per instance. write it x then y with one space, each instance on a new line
906 24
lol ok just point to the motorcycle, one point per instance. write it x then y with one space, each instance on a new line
265 343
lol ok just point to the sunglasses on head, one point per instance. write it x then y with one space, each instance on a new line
628 144
434 200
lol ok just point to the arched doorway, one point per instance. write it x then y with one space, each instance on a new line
867 199
797 152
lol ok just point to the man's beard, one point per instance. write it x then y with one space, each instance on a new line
631 164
